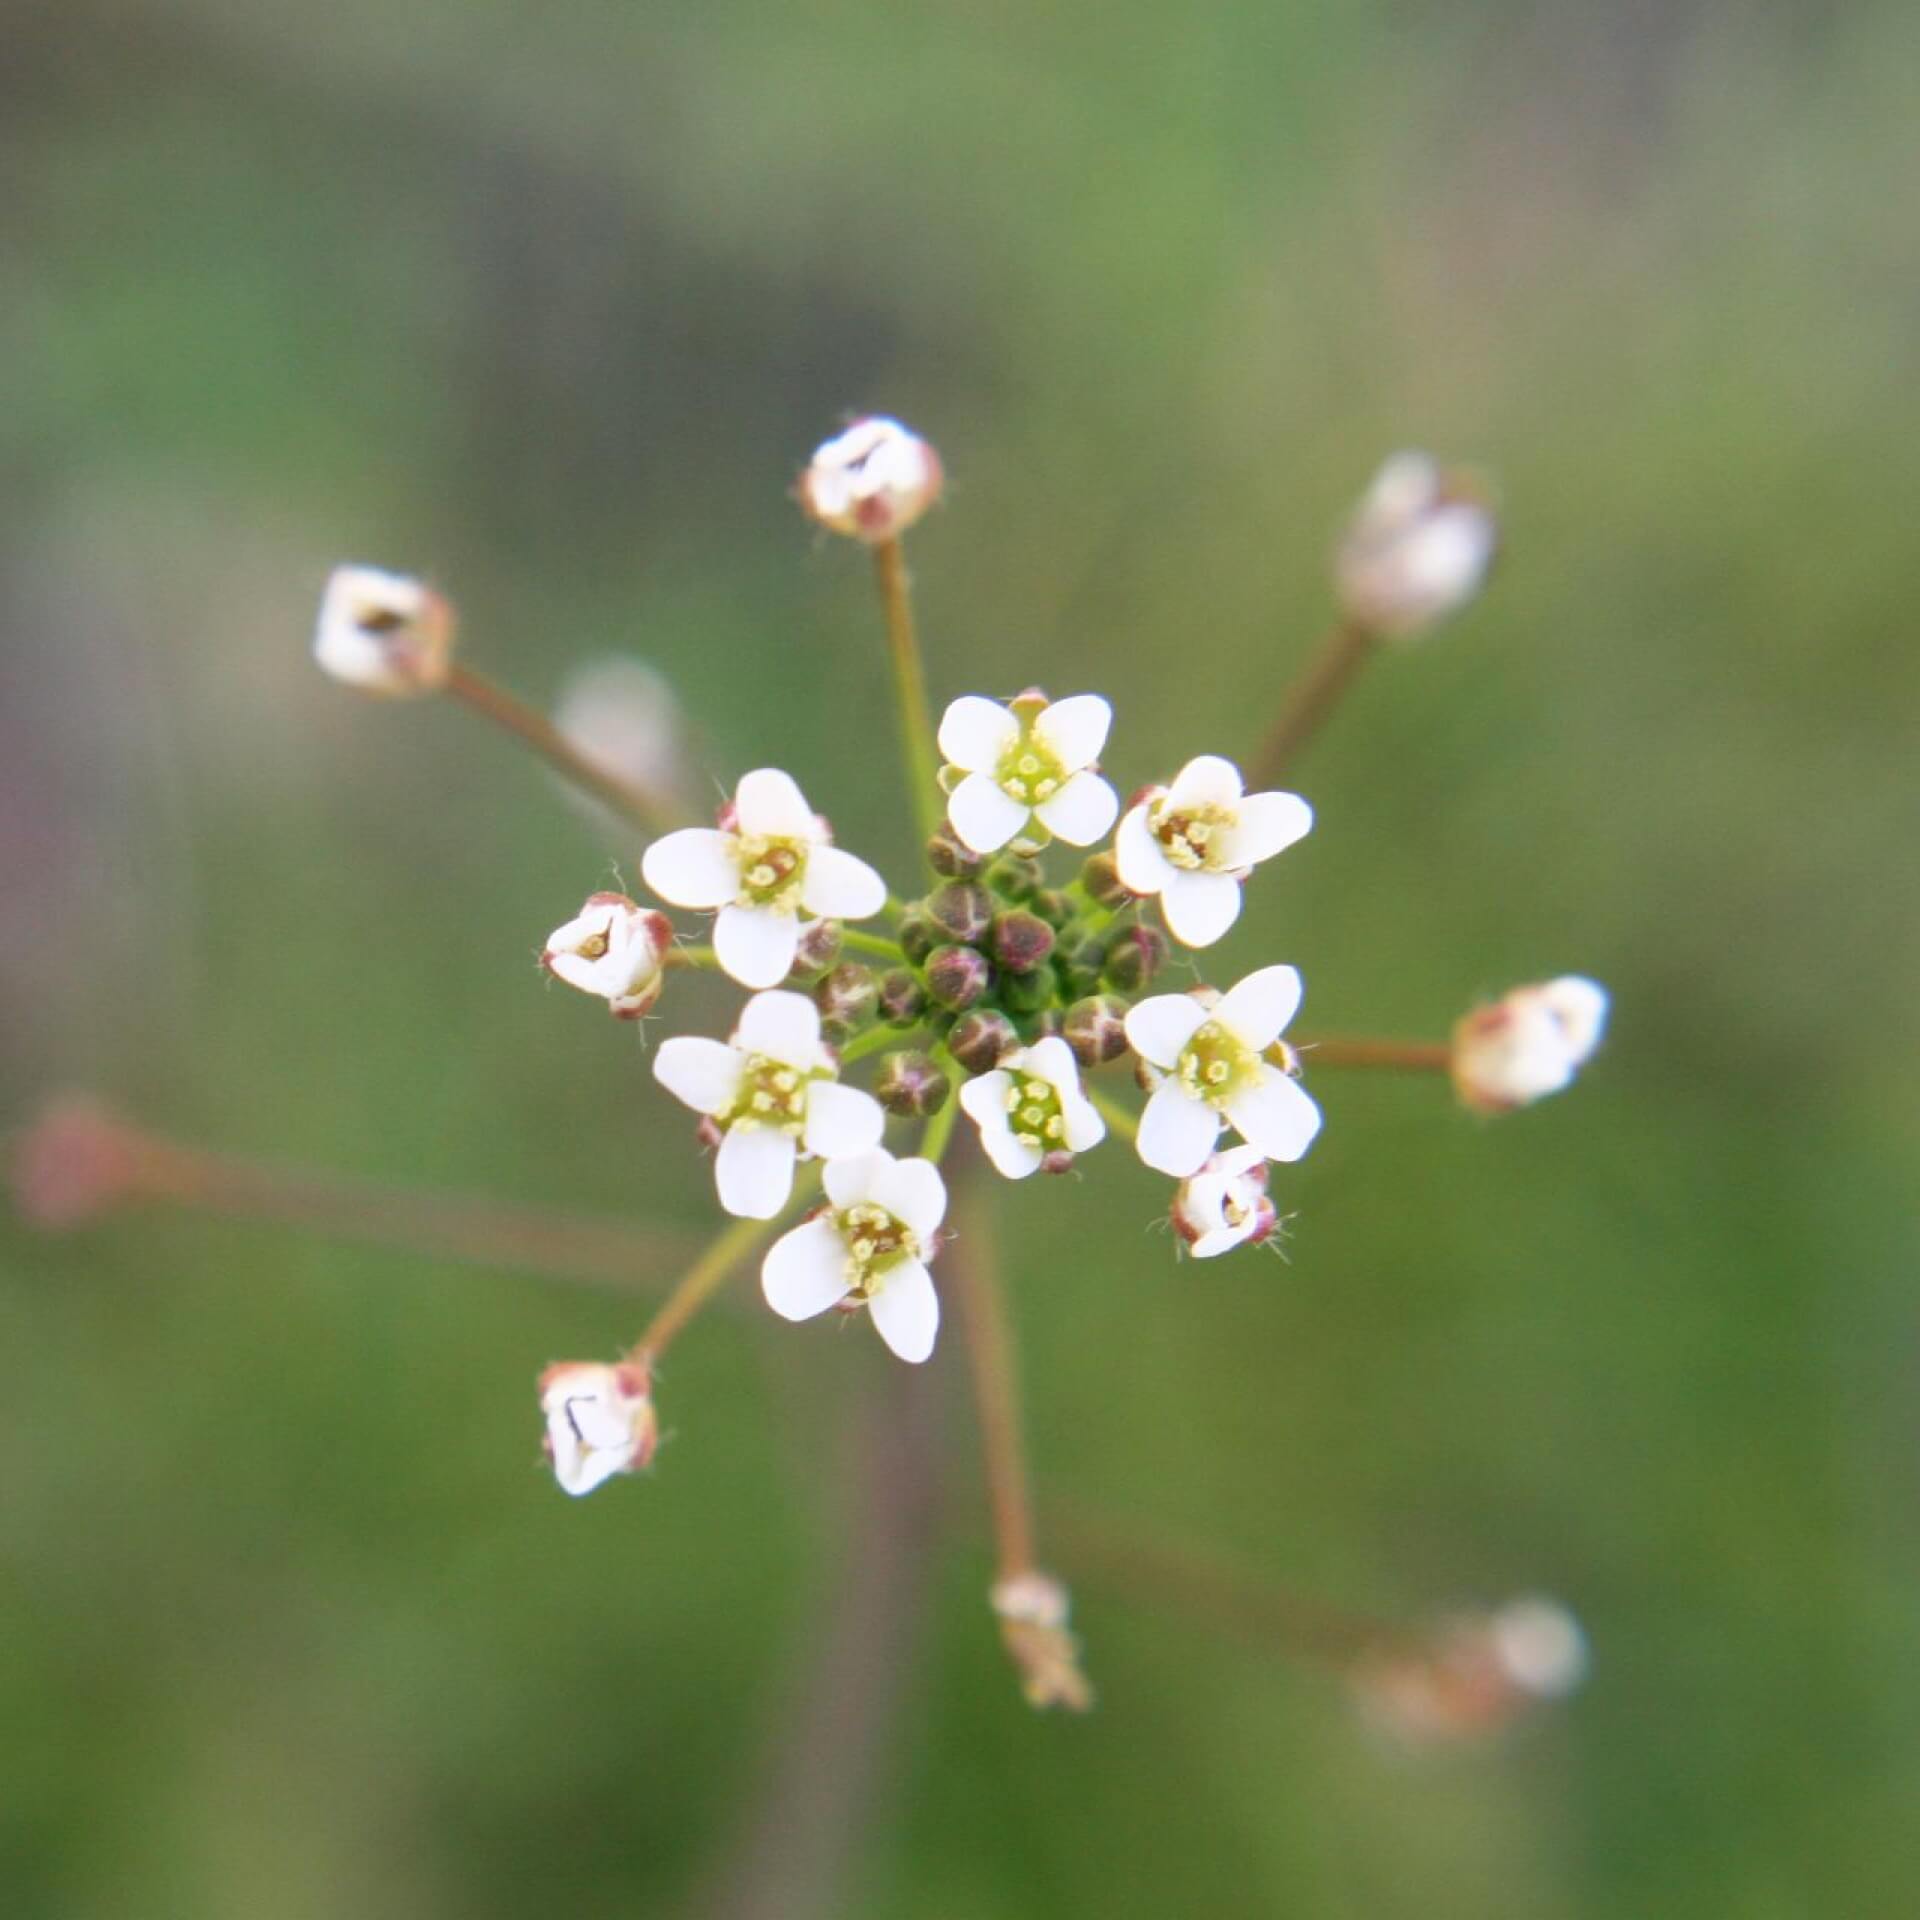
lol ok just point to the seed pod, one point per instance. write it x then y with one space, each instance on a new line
981 1040
957 977
961 911
1096 1030
910 1085
1134 956
1014 876
1101 878
951 857
846 998
902 998
817 952
1021 941
917 934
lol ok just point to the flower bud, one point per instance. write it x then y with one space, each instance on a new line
1028 992
1015 876
816 953
961 911
1100 875
982 1039
1418 548
910 1085
384 632
1021 941
1096 1029
957 977
614 949
1134 955
1033 1609
600 1422
902 998
917 934
1082 967
871 482
1527 1044
950 856
1052 906
75 1162
1224 1205
846 998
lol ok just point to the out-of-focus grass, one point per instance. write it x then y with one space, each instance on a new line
550 309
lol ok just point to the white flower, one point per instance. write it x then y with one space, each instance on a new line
771 856
1030 1107
1216 1072
772 1091
1031 761
600 1421
1225 1204
1528 1043
1419 547
869 1247
871 482
1195 842
383 632
614 949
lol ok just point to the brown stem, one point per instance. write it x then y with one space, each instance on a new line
1405 1056
534 730
1346 649
698 1285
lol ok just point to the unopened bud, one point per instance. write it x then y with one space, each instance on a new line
1052 906
1418 548
600 1422
1014 876
957 977
1100 875
902 998
909 1084
949 855
1082 968
871 482
847 998
1021 941
816 952
917 934
614 949
1028 992
1528 1043
384 633
75 1162
1134 955
982 1039
961 911
1096 1029
1224 1205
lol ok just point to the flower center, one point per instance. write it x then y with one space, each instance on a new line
770 871
593 947
1033 1112
1191 837
1216 1065
772 1094
1028 772
876 1243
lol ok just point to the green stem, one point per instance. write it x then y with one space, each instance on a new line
877 1040
909 685
876 944
933 1143
703 957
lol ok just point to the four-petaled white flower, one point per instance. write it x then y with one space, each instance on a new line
1216 1071
771 856
1528 1043
1225 1204
600 1422
871 482
772 1092
615 949
1195 842
1418 547
384 632
1031 761
868 1247
1031 1107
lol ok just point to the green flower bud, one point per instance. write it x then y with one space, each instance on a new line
1021 941
1134 956
961 911
1101 878
1082 968
1052 906
846 998
909 1084
957 977
902 998
951 857
1013 876
982 1039
1096 1029
917 934
1028 992
819 950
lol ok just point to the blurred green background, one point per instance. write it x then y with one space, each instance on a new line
550 304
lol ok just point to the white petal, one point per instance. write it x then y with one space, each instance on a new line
838 887
578 971
1074 730
913 1192
984 817
1051 1060
852 1180
769 803
1143 867
755 945
983 1098
754 1171
1199 907
1158 1029
1085 1128
906 1311
985 1102
842 1121
1580 1005
975 732
703 1073
1269 823
1222 1239
693 868
1277 1116
805 1271
1177 1132
784 1026
1082 811
1207 781
1258 1008
1237 1161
